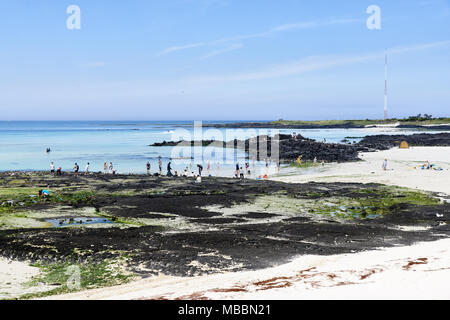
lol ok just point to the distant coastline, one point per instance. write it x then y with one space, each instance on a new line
410 123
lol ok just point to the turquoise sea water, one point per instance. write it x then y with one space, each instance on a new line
124 143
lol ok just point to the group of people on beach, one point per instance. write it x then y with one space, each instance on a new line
76 169
58 171
240 171
425 166
188 172
430 166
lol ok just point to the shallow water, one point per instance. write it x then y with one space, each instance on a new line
59 223
126 144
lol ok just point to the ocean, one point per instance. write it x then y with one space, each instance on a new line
23 144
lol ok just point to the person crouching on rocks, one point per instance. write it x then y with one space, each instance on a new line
45 194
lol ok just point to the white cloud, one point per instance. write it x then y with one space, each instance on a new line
307 65
271 32
230 48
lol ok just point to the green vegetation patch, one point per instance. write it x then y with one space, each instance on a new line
413 120
371 202
67 277
366 203
304 165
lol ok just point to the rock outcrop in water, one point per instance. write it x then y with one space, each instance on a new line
290 148
384 142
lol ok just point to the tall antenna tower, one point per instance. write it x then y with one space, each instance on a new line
385 88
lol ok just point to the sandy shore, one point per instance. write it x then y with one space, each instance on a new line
13 278
403 170
421 271
416 272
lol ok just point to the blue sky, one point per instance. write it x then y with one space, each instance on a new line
222 59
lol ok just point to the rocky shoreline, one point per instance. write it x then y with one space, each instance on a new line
290 148
177 227
384 142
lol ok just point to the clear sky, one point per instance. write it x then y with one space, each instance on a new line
222 59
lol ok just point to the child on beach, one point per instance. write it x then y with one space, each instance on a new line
384 165
160 165
148 168
105 167
52 168
86 171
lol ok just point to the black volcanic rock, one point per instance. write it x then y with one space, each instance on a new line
290 148
384 142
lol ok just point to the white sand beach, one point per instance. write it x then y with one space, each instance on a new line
421 271
403 170
13 278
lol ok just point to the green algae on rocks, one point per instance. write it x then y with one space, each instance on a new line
177 227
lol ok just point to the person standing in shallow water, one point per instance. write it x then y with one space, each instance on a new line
148 168
87 169
105 167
